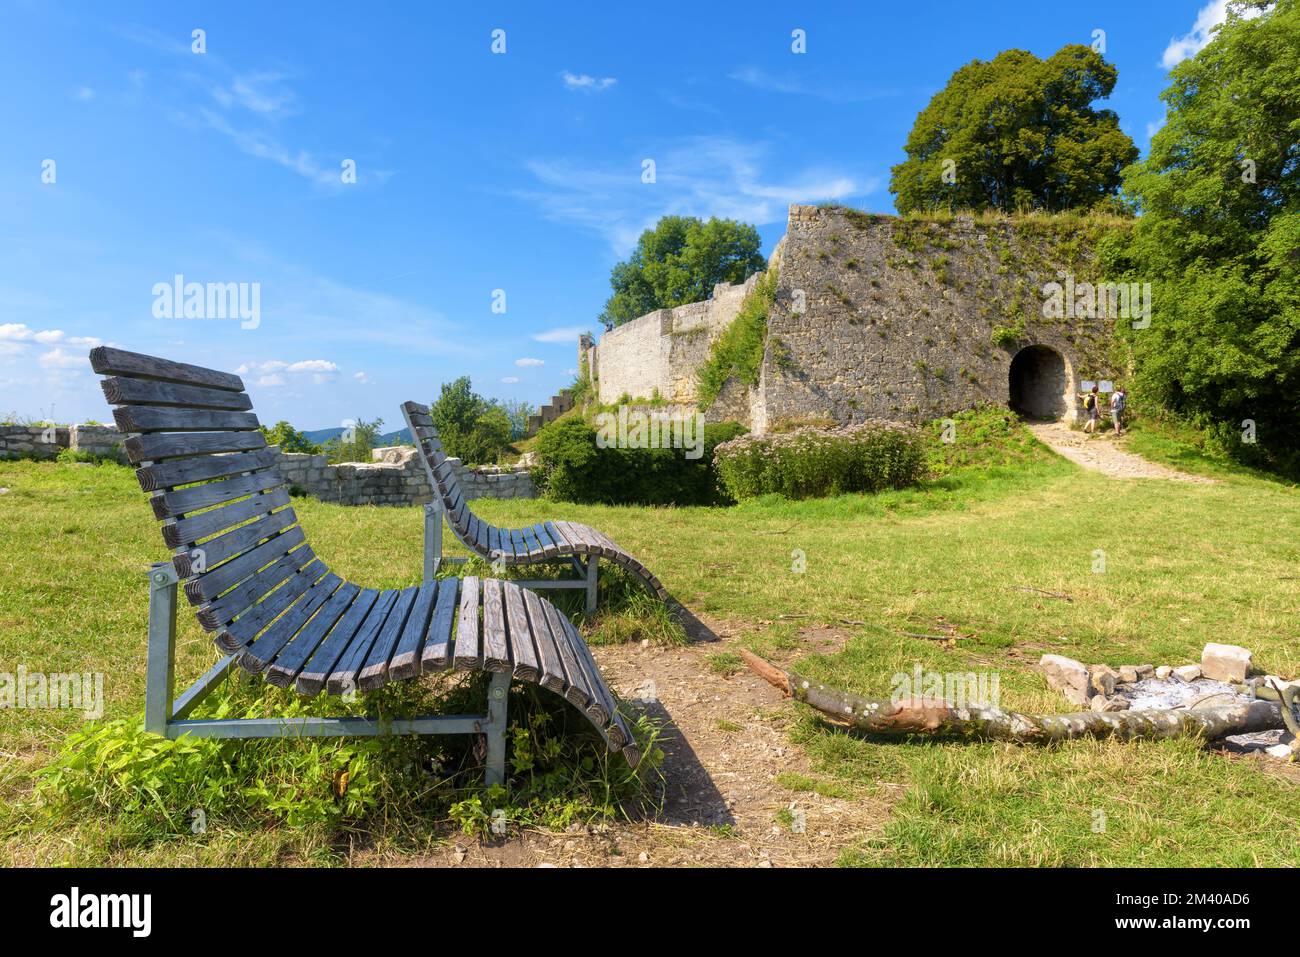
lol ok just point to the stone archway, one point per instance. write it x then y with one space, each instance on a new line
1039 383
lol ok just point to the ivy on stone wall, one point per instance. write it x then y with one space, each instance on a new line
738 352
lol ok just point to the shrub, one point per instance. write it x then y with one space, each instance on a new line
573 468
807 463
473 429
739 350
289 439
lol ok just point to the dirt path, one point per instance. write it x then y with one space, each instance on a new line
1102 453
724 744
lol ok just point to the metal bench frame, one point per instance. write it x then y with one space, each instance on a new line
169 717
585 572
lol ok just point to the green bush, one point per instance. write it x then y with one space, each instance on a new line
809 463
573 468
739 350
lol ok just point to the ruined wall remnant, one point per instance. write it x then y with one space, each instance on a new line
881 317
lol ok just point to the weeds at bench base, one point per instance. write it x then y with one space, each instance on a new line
146 789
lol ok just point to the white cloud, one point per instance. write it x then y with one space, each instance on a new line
510 379
16 332
586 84
798 86
258 92
59 359
1155 126
1211 15
699 176
571 371
270 372
562 334
362 378
529 363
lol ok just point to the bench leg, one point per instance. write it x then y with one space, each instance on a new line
160 674
592 562
495 728
432 539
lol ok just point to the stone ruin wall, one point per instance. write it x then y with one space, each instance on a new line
395 477
875 317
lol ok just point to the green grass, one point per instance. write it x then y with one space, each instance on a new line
1185 564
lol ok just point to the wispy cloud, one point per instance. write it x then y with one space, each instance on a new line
796 85
260 92
273 372
699 176
529 363
1212 15
562 334
583 83
510 380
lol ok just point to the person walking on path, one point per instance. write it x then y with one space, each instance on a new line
1090 401
1118 402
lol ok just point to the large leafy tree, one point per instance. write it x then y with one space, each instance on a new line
1219 239
473 429
680 261
1014 133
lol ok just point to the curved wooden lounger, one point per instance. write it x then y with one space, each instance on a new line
272 605
543 542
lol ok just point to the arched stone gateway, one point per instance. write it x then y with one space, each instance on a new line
1039 383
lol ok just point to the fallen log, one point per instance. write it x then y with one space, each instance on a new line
923 716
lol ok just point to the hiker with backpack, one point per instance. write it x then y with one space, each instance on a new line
1090 402
1118 402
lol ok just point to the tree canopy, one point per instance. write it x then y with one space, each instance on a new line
1219 239
473 429
680 261
1016 133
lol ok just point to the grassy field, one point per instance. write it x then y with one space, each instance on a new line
1183 564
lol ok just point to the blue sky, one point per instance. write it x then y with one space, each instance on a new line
475 171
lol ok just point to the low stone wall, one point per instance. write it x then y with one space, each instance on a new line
395 477
46 442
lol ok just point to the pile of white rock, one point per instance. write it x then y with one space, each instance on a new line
1222 677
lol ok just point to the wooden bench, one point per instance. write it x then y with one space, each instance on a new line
273 606
566 543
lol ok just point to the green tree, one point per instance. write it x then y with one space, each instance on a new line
356 443
1015 133
1219 239
473 429
288 438
680 261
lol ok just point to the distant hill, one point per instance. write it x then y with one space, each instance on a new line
400 437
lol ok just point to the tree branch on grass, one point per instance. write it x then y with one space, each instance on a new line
915 716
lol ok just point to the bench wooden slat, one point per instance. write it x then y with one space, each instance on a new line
579 690
232 543
405 661
466 652
144 418
496 650
553 677
601 705
312 676
106 360
222 610
184 471
119 390
343 678
156 446
182 501
187 532
522 651
303 643
374 670
244 629
210 584
257 656
437 655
